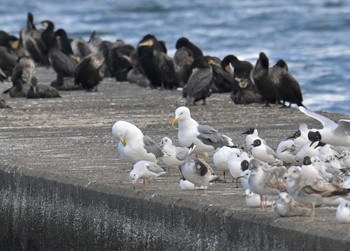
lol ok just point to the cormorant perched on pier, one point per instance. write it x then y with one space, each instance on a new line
157 65
185 42
183 59
41 91
262 80
21 77
222 80
199 84
288 87
64 66
244 91
87 72
63 42
48 34
8 60
118 59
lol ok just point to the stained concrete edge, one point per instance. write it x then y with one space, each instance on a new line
62 213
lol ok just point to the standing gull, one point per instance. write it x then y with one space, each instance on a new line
317 194
145 170
197 171
206 138
133 145
263 152
252 134
174 155
266 181
221 157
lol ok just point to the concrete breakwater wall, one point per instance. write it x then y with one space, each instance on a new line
43 214
63 186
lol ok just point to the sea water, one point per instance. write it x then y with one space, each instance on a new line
313 37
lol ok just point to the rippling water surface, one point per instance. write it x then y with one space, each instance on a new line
313 37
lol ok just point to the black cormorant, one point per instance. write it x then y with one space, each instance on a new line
260 75
157 65
41 91
87 72
222 80
64 66
199 84
183 59
118 61
21 77
288 87
244 91
185 42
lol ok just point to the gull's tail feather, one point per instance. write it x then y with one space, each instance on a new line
191 148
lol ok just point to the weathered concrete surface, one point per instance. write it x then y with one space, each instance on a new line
63 187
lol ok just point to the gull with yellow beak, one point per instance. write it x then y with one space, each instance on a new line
206 138
133 145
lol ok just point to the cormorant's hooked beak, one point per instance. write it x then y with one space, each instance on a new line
146 43
175 121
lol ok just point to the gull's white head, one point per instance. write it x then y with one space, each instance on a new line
119 130
181 113
287 145
293 173
133 176
284 198
345 153
248 193
165 141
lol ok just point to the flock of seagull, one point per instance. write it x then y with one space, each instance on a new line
309 169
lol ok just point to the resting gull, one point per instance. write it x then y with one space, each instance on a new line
133 146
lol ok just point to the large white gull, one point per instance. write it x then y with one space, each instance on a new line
206 138
133 145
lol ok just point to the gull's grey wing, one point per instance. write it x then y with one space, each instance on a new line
152 147
211 136
153 167
182 153
271 151
326 122
276 173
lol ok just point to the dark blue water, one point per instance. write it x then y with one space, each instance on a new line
313 37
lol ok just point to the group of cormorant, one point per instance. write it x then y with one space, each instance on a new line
81 64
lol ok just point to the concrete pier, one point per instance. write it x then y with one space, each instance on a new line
64 187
